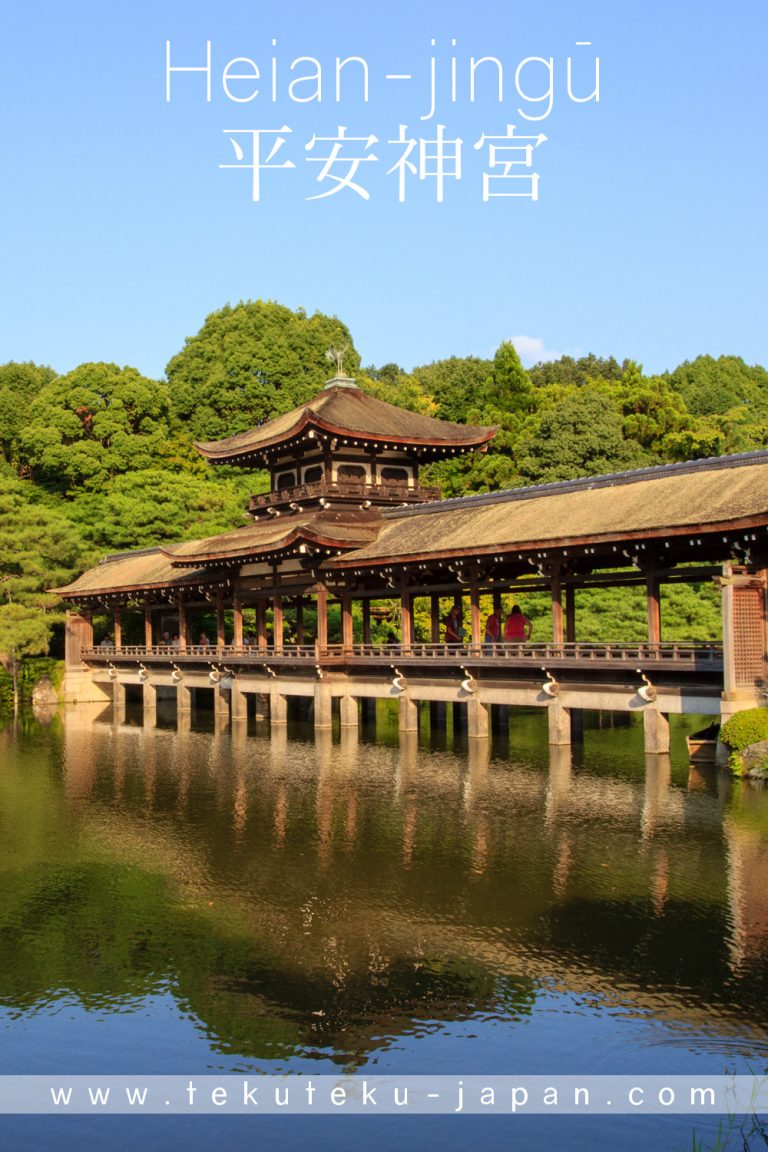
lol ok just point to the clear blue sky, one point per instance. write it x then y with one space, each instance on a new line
120 232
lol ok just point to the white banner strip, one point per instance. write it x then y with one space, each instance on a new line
299 1095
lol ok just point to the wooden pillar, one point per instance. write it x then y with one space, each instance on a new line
117 618
78 634
497 602
347 634
406 617
299 619
221 637
261 624
434 618
237 620
366 622
653 601
182 624
322 615
147 626
556 586
475 621
570 614
277 623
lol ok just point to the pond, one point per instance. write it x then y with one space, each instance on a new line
232 901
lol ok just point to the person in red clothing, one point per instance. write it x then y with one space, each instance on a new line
493 628
518 627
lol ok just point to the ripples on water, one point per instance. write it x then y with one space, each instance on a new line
193 900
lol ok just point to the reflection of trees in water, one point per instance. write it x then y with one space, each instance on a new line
294 902
110 936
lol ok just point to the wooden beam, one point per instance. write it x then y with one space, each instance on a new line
117 619
147 625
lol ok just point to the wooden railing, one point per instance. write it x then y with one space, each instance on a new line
389 491
702 656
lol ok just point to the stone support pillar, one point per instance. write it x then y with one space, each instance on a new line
118 694
478 722
149 696
655 730
349 712
278 706
323 705
183 696
408 714
238 702
559 719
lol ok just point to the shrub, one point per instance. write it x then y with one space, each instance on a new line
745 728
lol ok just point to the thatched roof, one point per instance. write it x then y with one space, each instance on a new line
653 503
328 531
350 414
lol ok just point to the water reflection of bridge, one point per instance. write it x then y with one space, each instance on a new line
380 889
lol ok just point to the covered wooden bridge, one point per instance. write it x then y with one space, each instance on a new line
348 523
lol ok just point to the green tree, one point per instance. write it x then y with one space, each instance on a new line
251 362
582 436
569 372
94 423
23 632
152 506
39 549
711 386
454 384
19 384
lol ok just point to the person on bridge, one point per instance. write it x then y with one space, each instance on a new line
518 627
493 628
454 632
